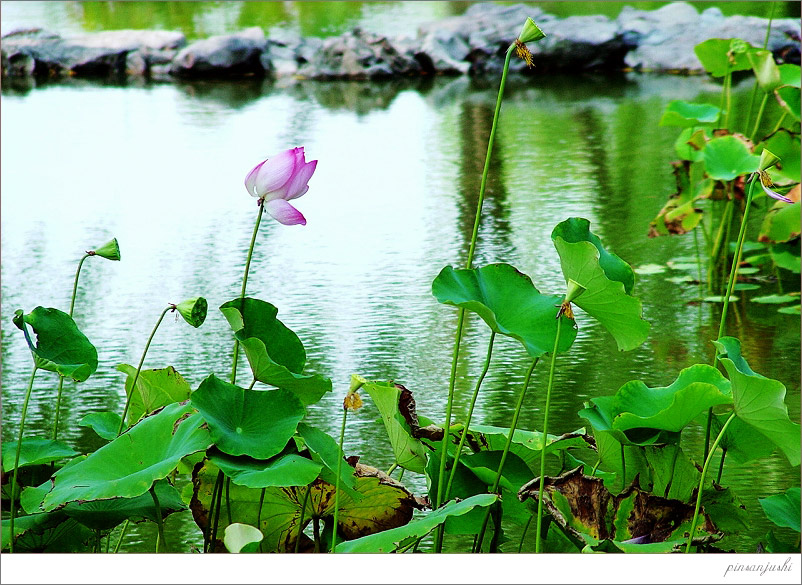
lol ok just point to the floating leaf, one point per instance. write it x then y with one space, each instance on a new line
154 389
257 423
645 269
795 310
274 352
745 286
775 299
759 401
684 114
394 539
239 536
409 452
607 281
717 57
719 299
285 470
783 509
35 451
509 303
105 424
129 465
727 157
60 345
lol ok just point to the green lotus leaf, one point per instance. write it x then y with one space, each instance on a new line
687 114
154 389
52 532
242 538
484 465
779 545
789 98
607 281
128 466
60 346
717 56
670 408
786 146
691 142
742 442
793 310
783 509
274 352
284 470
725 509
781 223
106 514
105 424
35 451
789 75
410 453
774 299
673 474
759 401
509 303
396 538
786 256
326 451
765 69
384 504
727 157
256 423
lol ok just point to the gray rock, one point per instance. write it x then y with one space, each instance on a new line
361 55
154 40
224 55
443 50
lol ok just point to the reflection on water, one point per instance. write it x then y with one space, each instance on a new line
161 168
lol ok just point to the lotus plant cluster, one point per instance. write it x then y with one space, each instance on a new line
259 477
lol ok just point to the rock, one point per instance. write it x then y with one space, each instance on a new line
223 55
361 55
443 51
132 40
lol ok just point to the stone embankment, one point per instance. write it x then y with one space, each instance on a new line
473 43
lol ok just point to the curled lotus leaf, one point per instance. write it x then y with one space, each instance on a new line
154 389
35 451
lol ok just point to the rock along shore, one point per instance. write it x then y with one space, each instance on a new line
473 43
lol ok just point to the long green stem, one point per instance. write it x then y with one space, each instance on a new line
507 446
708 458
728 93
75 282
759 118
139 368
736 259
218 485
523 536
756 85
464 436
301 519
245 283
546 436
120 539
13 504
159 519
441 476
337 483
218 505
721 466
259 517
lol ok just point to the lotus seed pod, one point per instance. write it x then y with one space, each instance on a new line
193 311
110 250
530 32
767 159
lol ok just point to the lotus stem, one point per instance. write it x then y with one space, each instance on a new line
228 499
523 536
218 485
316 532
736 259
755 86
120 539
337 483
507 446
721 466
464 435
708 458
301 519
159 520
392 468
139 368
759 118
259 515
722 102
13 504
441 476
245 283
218 505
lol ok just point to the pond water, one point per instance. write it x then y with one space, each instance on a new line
161 167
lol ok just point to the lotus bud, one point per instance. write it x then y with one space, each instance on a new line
110 250
767 159
530 32
193 311
357 382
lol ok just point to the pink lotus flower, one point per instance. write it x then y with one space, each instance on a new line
280 179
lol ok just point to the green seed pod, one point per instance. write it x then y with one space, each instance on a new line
530 32
767 159
193 311
110 250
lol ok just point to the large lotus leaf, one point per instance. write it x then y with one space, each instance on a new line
516 473
106 514
35 451
674 476
464 485
385 504
696 389
787 147
783 509
154 389
274 352
281 471
687 114
724 508
727 157
584 508
607 282
256 423
718 56
781 223
326 451
51 532
105 424
789 74
742 442
601 413
128 466
789 98
509 303
409 452
396 538
525 444
60 346
621 462
759 401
